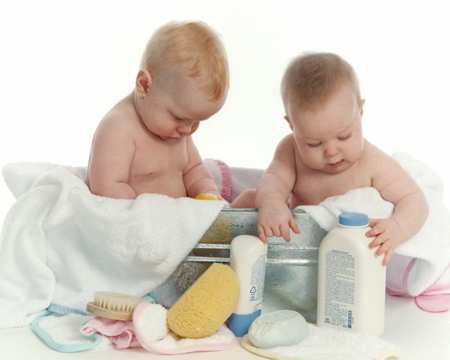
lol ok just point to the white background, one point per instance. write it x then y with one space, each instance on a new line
63 65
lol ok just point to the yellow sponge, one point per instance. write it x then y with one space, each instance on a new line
206 305
206 196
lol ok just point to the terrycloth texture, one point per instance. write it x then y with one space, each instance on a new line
75 332
437 297
151 330
60 243
62 333
119 333
423 260
327 344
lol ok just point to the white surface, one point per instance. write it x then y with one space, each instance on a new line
419 334
64 64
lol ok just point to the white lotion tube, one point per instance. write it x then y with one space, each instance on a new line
248 256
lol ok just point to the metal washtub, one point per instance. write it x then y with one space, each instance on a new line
291 272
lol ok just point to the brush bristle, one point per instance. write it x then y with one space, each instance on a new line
116 302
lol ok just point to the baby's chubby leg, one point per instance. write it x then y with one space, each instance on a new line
245 199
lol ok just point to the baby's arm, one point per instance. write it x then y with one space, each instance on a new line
411 208
196 176
112 152
273 191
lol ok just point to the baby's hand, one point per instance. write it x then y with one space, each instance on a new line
388 236
275 219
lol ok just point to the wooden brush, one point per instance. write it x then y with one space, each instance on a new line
113 305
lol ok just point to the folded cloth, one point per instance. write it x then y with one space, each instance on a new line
419 266
60 243
62 333
150 325
119 333
75 332
326 343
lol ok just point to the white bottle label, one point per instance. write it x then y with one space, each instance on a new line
257 280
339 288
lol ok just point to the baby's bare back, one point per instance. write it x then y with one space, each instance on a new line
126 158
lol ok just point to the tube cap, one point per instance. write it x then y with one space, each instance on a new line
353 219
239 324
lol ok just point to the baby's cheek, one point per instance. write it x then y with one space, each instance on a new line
311 158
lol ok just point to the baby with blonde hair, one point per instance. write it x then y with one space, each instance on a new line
327 155
144 143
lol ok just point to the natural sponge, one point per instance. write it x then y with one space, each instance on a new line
206 305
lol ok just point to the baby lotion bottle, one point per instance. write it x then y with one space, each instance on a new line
352 279
248 259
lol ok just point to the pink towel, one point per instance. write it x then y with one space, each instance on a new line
120 333
149 330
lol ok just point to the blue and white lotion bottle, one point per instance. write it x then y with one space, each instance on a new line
352 279
248 256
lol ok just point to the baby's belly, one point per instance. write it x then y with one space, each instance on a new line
314 195
172 186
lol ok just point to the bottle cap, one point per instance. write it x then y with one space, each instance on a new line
353 219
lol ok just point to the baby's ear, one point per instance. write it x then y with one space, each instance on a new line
361 106
289 122
143 82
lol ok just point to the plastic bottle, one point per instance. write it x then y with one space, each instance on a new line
248 259
352 279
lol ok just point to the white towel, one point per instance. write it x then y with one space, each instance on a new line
419 262
62 333
60 243
330 344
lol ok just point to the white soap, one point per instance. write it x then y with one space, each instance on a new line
278 328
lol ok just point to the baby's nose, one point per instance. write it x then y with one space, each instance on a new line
188 128
185 129
331 150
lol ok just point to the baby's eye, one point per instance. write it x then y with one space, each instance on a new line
315 144
176 117
345 137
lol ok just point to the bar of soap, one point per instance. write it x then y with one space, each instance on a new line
278 328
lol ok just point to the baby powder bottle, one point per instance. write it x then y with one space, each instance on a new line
248 259
352 279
